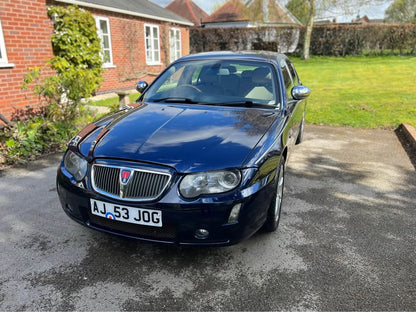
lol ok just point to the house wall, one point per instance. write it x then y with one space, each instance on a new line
27 34
129 53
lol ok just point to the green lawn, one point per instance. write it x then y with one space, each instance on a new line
113 101
365 92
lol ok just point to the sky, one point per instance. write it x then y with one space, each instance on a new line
374 11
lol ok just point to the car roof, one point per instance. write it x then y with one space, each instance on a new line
263 56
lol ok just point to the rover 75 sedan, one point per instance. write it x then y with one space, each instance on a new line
199 160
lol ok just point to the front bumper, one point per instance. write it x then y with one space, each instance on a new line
181 219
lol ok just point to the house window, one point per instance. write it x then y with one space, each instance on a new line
103 27
3 55
152 44
175 44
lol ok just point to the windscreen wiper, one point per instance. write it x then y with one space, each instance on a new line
175 100
241 104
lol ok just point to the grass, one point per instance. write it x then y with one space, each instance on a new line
363 92
113 101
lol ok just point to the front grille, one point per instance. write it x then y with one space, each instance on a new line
143 184
167 231
146 185
107 179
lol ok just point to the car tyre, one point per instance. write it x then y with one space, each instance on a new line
273 214
299 139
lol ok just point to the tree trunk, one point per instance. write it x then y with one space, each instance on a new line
309 26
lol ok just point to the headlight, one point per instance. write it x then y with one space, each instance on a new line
214 182
76 165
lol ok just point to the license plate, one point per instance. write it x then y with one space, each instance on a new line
126 214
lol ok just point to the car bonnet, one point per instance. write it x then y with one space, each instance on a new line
188 138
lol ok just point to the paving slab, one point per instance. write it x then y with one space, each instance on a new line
346 241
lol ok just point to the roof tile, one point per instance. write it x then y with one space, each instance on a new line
231 11
256 11
136 7
189 10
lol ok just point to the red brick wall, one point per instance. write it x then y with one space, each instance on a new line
27 34
185 41
129 54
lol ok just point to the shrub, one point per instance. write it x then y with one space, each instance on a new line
31 138
331 40
28 139
77 64
74 73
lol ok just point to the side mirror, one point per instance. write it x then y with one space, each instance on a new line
141 86
300 92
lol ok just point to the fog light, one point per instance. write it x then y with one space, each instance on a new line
201 234
235 212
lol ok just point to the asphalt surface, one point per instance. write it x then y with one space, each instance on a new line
346 241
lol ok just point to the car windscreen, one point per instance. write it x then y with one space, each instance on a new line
217 82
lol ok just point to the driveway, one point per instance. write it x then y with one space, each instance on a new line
347 241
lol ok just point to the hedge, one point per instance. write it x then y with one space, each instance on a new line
335 40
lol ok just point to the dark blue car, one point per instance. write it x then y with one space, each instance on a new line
199 161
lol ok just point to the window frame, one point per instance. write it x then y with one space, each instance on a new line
98 19
288 84
175 53
152 61
293 73
4 62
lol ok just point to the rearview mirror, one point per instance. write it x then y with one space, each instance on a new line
300 92
141 86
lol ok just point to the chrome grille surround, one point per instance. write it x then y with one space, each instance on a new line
143 185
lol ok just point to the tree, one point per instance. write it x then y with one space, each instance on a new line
300 9
402 11
319 8
218 5
309 27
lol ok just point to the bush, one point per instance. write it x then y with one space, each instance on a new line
28 139
77 64
237 39
342 40
73 74
331 40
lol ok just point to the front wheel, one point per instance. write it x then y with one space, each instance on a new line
273 215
